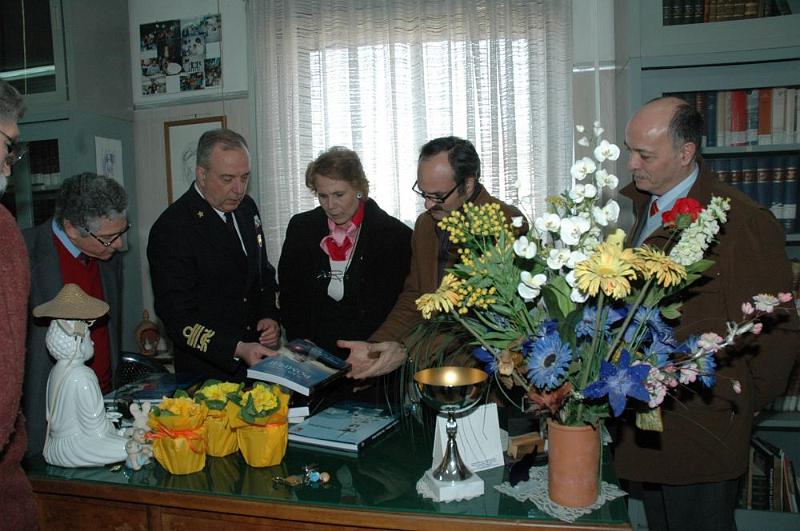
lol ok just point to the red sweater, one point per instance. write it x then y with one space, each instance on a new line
17 506
87 277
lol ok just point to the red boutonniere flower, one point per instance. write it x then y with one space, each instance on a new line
682 214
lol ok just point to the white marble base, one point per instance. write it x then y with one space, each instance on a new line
445 491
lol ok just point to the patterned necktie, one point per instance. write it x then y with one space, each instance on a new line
653 209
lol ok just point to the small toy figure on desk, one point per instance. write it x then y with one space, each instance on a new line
147 336
79 433
139 452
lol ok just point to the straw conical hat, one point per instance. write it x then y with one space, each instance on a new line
72 303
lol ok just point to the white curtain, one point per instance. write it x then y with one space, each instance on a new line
382 77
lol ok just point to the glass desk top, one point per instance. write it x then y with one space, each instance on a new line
382 477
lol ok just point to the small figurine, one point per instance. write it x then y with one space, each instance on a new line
79 433
139 452
140 414
147 335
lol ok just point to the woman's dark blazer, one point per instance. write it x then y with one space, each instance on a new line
373 281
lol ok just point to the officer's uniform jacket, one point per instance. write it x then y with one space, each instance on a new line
208 293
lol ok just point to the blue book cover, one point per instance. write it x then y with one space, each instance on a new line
347 426
295 371
152 388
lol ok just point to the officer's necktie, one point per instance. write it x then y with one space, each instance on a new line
653 208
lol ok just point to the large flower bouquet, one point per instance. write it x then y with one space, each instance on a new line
574 317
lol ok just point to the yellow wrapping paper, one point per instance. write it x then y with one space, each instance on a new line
264 445
220 438
179 440
234 420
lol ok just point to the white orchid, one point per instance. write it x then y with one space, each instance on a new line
573 228
517 222
580 192
530 285
607 214
581 168
550 222
583 141
557 258
606 150
575 295
575 258
606 180
524 248
579 128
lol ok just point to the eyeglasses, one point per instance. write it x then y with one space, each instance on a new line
108 241
436 198
16 150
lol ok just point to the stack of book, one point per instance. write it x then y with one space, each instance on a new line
771 483
771 181
152 388
304 368
747 117
702 11
347 426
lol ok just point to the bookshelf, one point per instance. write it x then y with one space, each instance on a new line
756 53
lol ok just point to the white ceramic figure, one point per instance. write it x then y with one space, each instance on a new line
79 432
139 452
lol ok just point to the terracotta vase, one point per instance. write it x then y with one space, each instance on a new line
573 464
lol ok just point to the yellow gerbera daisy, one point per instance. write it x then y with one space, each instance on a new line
655 262
608 269
444 299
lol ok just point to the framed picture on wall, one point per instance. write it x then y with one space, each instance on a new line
180 146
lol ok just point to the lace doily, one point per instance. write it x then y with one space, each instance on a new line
535 490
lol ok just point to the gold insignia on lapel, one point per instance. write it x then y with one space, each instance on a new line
200 214
198 336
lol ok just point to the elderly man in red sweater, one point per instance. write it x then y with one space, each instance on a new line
16 503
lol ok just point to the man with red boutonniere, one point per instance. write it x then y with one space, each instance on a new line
687 475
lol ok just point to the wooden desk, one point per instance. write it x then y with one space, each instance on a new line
372 491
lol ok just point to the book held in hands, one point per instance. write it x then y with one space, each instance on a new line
300 366
346 426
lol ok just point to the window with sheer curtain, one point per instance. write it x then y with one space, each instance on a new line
384 77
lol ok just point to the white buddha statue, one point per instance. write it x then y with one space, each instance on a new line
78 431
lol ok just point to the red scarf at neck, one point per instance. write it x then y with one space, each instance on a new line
339 243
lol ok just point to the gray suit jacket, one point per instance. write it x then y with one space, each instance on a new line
45 284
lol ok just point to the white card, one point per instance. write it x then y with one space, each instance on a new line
477 438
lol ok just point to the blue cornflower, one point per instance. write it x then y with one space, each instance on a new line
659 351
548 359
654 324
487 358
548 327
619 382
707 367
585 327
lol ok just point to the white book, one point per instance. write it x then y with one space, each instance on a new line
778 115
789 119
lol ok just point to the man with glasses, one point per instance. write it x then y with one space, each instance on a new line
77 245
17 504
448 175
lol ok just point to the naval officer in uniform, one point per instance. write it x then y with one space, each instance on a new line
214 287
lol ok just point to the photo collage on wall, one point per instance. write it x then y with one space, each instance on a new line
181 55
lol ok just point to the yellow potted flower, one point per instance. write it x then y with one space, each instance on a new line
220 436
178 434
263 437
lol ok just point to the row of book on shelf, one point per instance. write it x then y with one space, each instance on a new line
771 181
771 483
747 117
700 11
